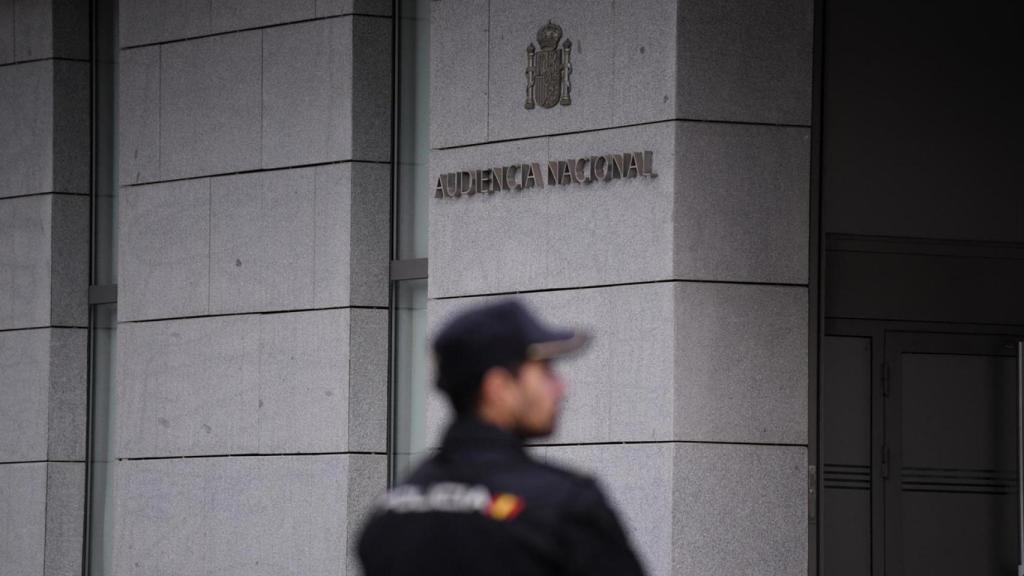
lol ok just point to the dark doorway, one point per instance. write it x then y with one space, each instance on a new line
920 459
922 235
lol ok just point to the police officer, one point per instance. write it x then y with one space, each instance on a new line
482 505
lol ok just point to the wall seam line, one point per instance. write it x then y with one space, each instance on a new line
624 126
253 29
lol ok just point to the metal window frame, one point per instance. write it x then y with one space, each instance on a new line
399 269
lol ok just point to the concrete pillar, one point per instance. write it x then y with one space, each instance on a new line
44 275
252 335
691 405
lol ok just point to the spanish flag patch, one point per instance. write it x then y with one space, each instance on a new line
504 506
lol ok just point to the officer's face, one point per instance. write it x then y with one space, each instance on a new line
541 391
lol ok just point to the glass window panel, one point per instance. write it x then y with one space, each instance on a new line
103 335
413 146
410 373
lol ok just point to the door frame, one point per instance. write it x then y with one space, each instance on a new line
897 342
886 334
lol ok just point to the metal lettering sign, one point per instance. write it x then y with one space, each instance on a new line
547 71
516 177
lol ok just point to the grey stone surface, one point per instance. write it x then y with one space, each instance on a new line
623 58
369 233
164 243
151 21
620 389
71 118
645 75
334 239
459 33
555 236
746 61
632 62
742 203
367 380
263 515
307 91
734 199
741 363
302 238
641 494
24 391
65 514
69 261
340 7
236 244
139 115
25 261
739 510
371 88
304 382
367 480
239 14
289 234
210 105
590 27
22 517
263 241
26 113
188 387
6 31
33 29
301 382
51 28
68 403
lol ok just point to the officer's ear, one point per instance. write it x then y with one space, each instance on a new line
497 393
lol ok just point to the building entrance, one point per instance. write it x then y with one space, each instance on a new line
920 452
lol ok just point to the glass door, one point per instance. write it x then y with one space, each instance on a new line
950 455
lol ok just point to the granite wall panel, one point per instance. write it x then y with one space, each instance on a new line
24 392
23 517
164 250
554 236
307 93
6 31
210 105
301 382
25 261
741 363
139 115
739 510
65 518
618 390
242 515
50 29
635 62
743 61
45 113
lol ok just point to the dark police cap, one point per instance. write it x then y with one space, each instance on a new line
502 334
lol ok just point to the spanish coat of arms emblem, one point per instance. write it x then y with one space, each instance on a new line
548 70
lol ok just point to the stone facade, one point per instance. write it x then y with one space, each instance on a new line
254 230
44 277
254 217
694 283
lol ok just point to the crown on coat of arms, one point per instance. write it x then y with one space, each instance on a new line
549 35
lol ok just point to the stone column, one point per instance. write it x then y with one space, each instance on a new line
691 405
44 277
252 337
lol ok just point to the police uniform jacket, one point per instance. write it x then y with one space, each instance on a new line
481 505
